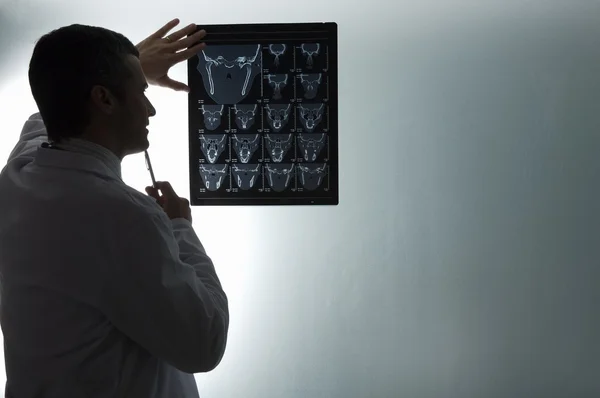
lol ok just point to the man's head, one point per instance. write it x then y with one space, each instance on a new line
88 83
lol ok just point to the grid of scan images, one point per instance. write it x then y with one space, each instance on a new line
263 121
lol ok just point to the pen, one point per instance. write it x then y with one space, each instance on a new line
149 167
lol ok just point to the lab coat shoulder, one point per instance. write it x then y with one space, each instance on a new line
33 134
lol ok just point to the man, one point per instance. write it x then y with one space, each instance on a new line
105 291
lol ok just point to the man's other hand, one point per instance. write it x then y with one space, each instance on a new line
159 52
173 205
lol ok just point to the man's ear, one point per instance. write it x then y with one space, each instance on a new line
103 99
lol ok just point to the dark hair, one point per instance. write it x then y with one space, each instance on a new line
66 64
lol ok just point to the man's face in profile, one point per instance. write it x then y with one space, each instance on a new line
135 110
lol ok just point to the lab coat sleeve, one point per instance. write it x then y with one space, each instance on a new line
32 136
191 251
163 292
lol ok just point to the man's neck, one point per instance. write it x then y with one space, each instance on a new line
104 140
96 150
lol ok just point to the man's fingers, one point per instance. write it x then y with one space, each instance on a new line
187 31
159 34
151 191
190 40
165 188
174 84
189 53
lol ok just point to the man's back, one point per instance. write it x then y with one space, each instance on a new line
78 298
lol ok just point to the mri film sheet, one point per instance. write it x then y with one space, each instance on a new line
263 108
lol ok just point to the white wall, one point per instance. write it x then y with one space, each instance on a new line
463 259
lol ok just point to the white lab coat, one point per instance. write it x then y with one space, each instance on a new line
101 294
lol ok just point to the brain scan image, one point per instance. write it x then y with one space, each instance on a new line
213 175
311 115
278 58
212 115
310 84
279 176
245 146
311 146
278 84
212 146
277 51
228 71
245 176
312 57
278 145
278 116
310 50
245 115
311 175
263 115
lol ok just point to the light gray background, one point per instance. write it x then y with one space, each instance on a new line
463 259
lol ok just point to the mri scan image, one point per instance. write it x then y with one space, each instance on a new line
278 146
245 146
312 57
212 146
278 116
229 71
310 115
245 116
279 176
311 146
311 83
278 58
213 176
311 175
310 51
213 116
279 86
277 51
263 109
246 176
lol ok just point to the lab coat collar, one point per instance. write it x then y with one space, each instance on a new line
51 157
